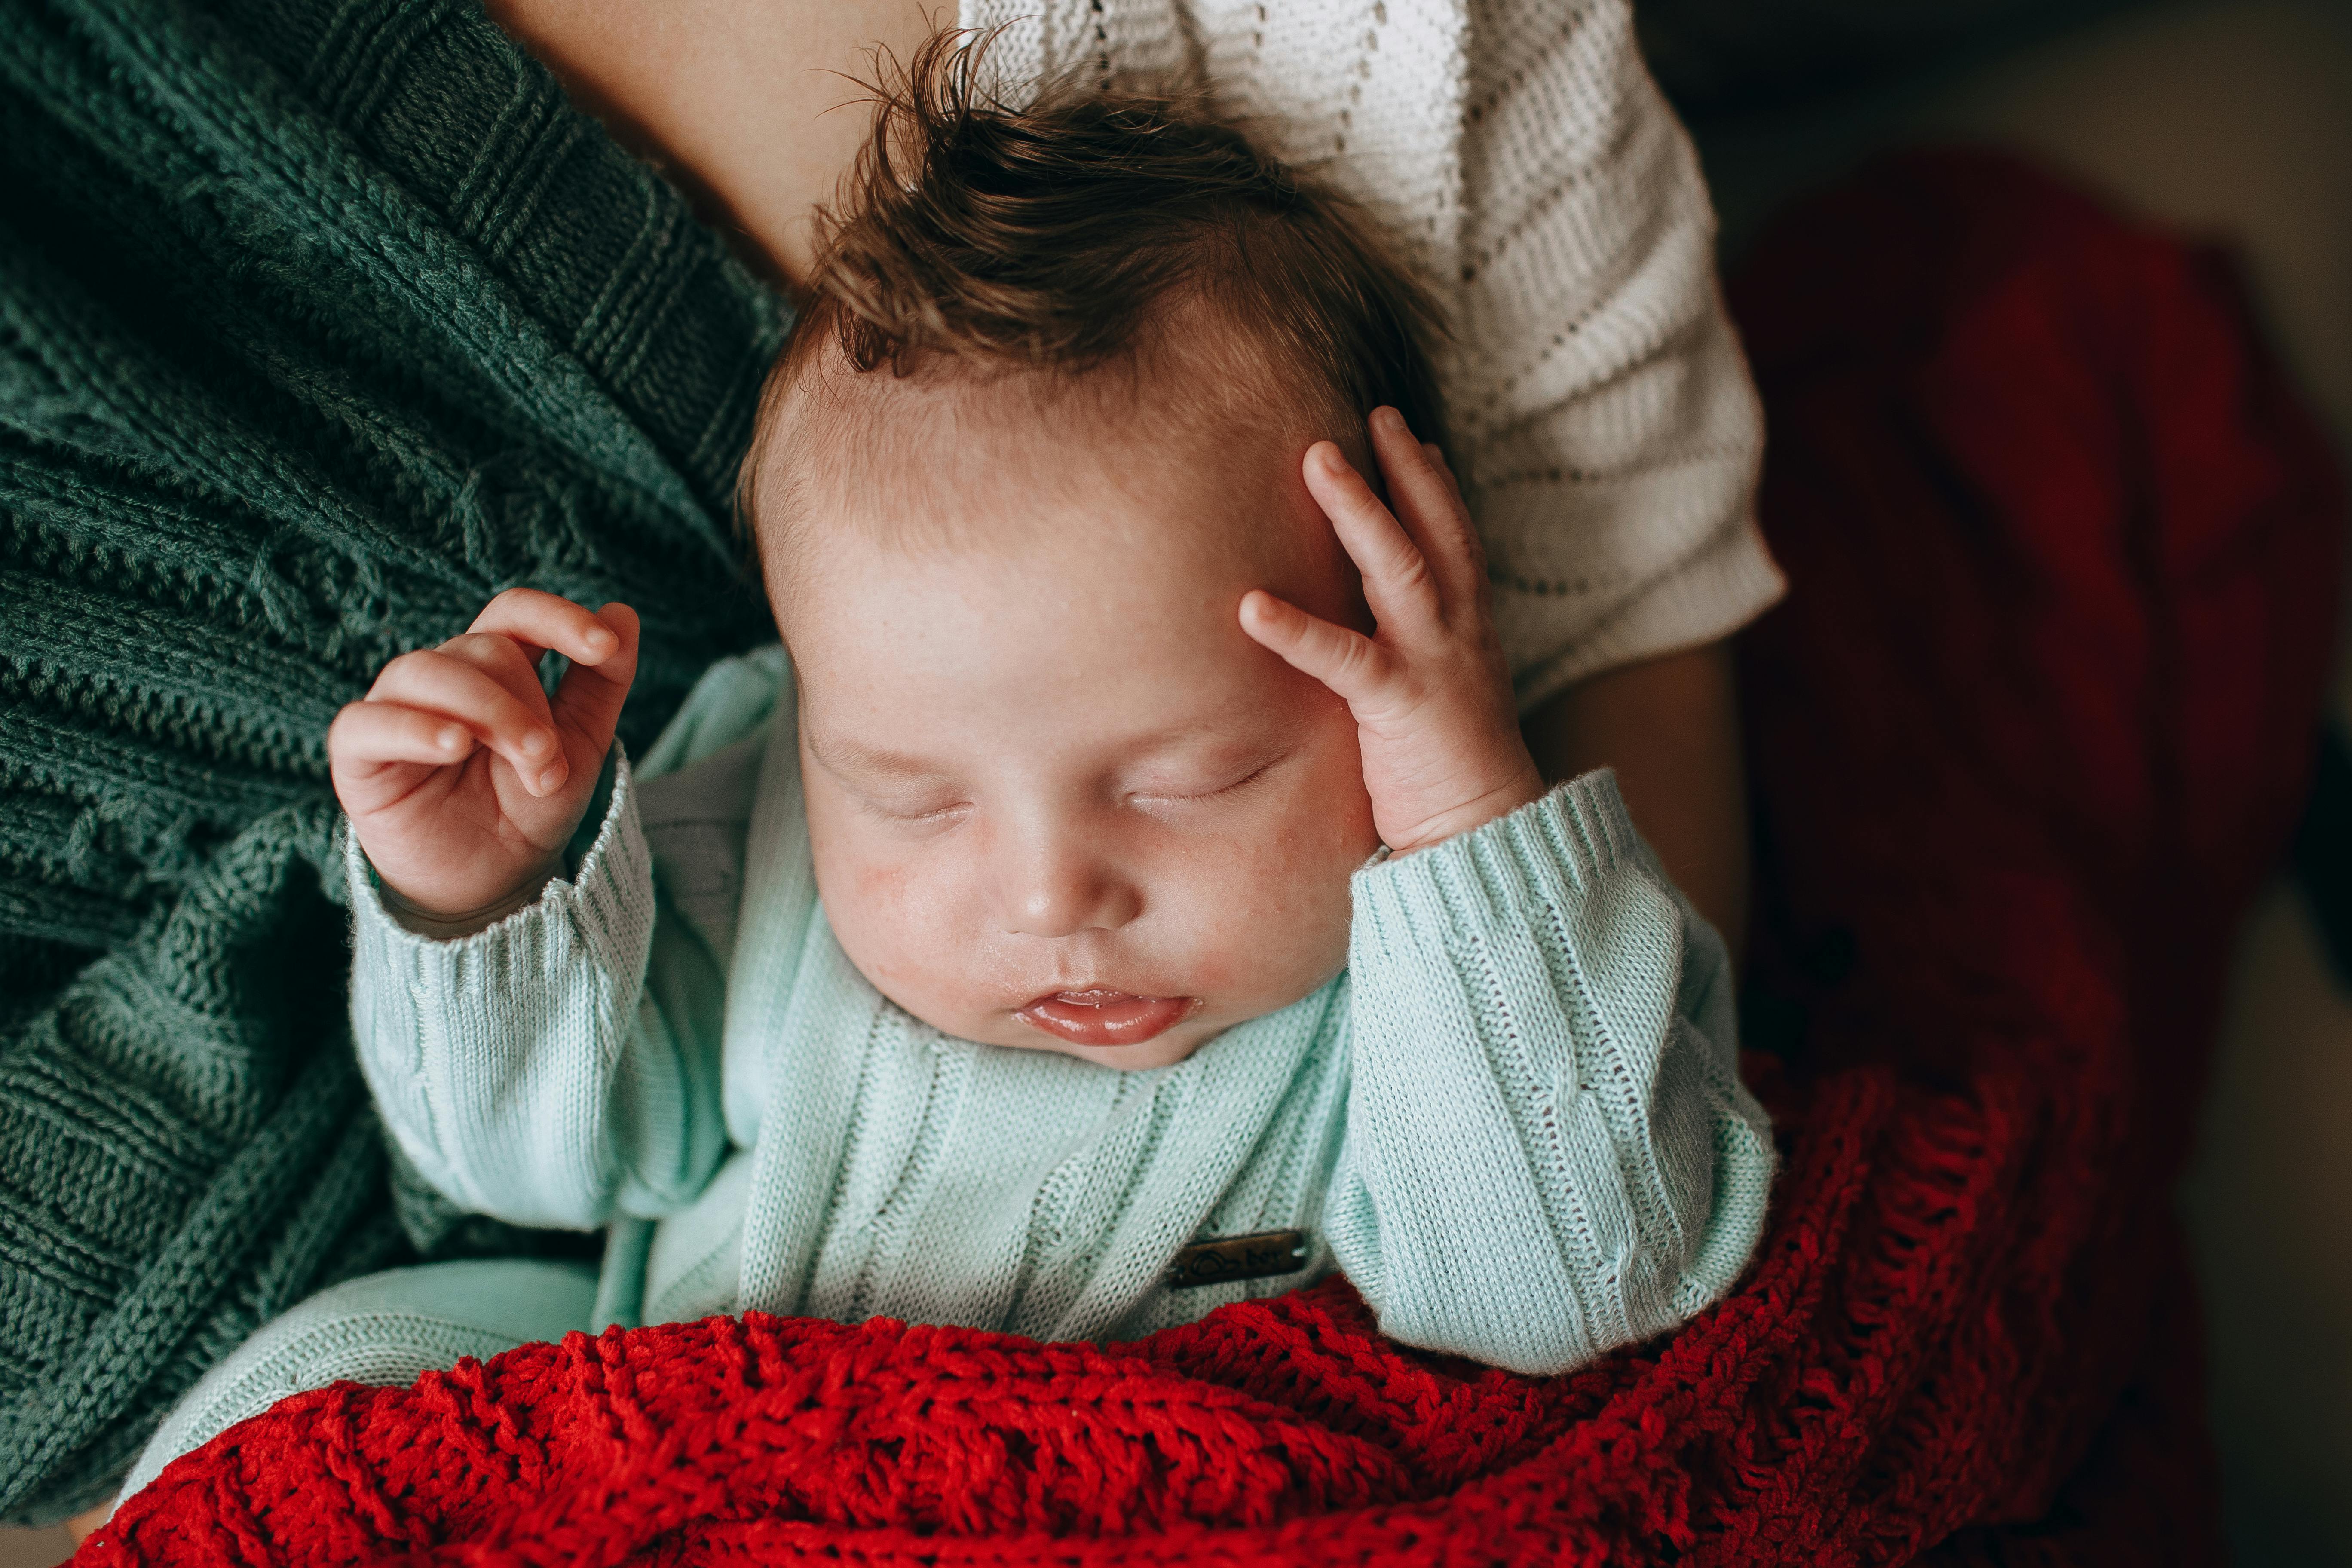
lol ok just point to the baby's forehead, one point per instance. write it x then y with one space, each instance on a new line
1167 464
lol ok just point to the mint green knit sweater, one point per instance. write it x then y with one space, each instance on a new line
1515 1121
321 321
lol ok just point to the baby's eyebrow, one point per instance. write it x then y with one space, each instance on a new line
842 756
837 753
1211 736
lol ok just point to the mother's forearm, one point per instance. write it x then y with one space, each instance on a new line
1670 726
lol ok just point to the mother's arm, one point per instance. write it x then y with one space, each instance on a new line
1670 726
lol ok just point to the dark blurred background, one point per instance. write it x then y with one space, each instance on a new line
1718 56
2230 119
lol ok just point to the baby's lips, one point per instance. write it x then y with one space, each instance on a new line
1100 1016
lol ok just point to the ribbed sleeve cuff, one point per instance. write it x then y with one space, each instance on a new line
1547 854
608 900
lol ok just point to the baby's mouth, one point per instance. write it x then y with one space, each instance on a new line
1101 1016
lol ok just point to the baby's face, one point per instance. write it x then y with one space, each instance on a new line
1057 798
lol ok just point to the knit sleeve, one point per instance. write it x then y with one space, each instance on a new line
560 1067
1609 429
1547 1151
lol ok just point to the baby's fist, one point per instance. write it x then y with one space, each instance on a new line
1429 689
462 782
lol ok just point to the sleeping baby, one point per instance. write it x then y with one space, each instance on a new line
1125 893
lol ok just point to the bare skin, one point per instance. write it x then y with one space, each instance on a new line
734 98
1670 726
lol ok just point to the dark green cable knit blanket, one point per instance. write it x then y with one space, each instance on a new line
321 320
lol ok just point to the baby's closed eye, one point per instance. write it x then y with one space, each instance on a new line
940 807
1196 786
920 809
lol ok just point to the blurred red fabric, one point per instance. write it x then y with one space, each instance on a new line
2032 726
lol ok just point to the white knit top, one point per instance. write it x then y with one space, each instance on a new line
1530 170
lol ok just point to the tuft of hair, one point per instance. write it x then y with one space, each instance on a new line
1087 229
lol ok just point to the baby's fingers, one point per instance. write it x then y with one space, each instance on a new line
1397 584
588 703
442 683
1357 669
370 733
1429 503
544 620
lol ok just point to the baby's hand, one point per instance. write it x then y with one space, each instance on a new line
1429 689
462 785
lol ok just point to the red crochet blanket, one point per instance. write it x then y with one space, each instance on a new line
2027 734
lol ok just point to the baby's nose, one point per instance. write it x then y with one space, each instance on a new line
1060 891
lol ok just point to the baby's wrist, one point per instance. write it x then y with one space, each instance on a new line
443 925
1522 790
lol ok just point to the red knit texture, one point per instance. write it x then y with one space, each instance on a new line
2026 737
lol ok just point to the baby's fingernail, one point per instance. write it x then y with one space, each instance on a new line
551 781
1388 418
448 737
599 640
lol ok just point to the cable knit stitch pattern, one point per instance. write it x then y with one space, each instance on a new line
1603 419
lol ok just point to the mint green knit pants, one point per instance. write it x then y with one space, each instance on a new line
384 1330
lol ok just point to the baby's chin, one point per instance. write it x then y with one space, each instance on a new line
1164 1050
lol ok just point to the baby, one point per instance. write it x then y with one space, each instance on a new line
1132 896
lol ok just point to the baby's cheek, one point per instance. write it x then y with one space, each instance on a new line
891 930
866 899
896 910
1280 919
880 883
1214 973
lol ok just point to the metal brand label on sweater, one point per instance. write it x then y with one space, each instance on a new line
1220 1262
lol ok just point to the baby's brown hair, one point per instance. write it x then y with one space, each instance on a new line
973 237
